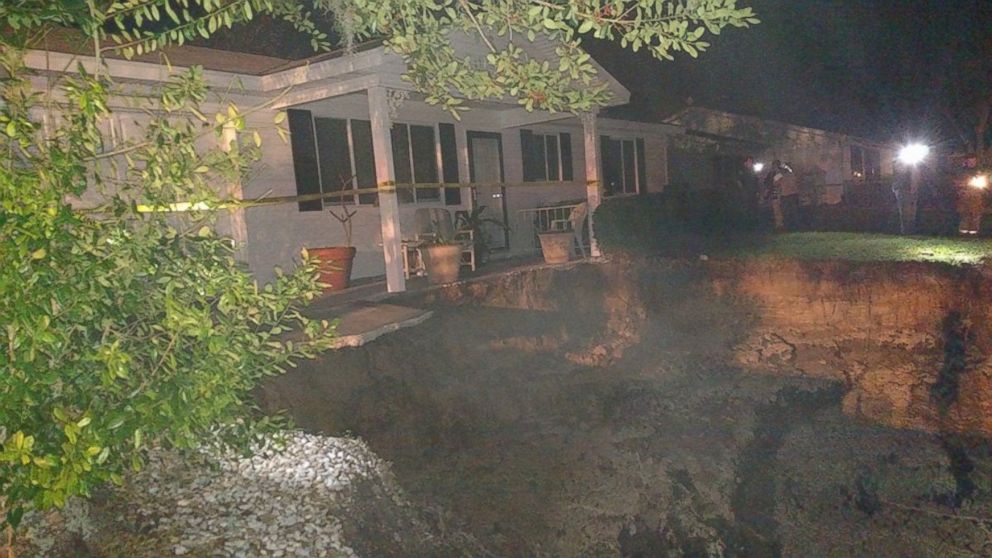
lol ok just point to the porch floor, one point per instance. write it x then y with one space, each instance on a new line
365 313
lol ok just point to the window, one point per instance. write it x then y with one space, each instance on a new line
332 155
415 162
623 165
866 163
546 158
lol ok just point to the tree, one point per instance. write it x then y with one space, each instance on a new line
419 31
965 86
131 324
128 324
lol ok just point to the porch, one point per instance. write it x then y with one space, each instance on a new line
361 137
368 310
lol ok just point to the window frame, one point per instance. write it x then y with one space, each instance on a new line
558 162
435 127
638 164
871 166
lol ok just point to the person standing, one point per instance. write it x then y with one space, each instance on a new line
773 194
788 188
906 189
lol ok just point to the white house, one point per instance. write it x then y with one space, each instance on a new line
355 123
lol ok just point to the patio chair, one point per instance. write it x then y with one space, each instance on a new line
430 223
574 223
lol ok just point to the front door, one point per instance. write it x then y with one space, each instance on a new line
485 166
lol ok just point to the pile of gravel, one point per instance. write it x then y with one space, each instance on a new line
280 502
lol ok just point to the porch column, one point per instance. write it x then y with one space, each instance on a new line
389 208
590 136
238 230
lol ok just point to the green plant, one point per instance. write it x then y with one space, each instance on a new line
474 221
128 324
343 214
420 32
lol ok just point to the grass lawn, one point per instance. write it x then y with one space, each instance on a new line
863 247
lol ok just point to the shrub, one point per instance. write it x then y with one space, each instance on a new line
673 222
125 328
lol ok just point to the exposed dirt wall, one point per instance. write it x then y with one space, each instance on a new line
910 341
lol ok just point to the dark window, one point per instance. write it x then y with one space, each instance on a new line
415 161
304 149
424 154
565 144
402 165
857 162
866 163
361 146
621 165
449 163
642 165
544 157
873 163
331 155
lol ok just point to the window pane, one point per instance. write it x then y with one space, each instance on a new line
629 178
873 163
612 169
361 142
449 163
424 161
566 157
304 157
552 150
642 166
333 156
857 162
532 150
401 161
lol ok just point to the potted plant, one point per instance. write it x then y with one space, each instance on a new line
556 245
336 262
473 221
442 257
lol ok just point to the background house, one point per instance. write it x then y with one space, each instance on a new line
827 164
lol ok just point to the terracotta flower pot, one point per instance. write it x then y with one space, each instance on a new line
335 266
443 262
556 246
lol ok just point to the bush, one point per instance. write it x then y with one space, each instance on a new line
672 223
125 328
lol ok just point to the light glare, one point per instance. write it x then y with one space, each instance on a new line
758 167
913 154
980 181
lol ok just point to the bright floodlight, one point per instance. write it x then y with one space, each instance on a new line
980 181
758 167
913 154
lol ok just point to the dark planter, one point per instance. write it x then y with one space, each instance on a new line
443 262
335 266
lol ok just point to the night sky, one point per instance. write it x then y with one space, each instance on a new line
871 67
876 68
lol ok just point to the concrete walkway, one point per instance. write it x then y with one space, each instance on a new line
362 322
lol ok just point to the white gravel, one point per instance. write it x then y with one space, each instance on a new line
281 503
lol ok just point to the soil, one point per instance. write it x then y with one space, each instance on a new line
671 409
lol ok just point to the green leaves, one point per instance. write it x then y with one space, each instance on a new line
124 330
